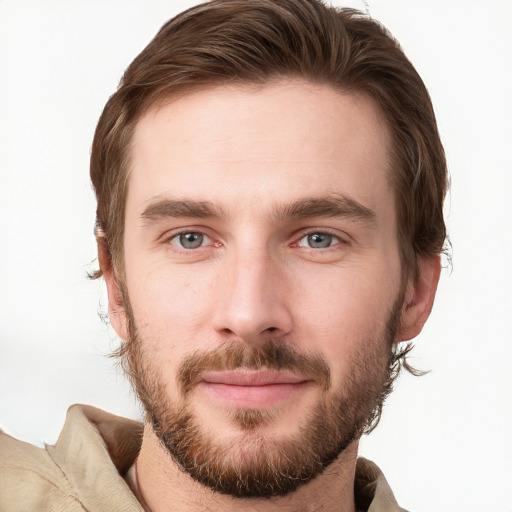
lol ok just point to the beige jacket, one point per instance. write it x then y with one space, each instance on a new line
84 470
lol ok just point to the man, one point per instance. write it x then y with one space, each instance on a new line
270 183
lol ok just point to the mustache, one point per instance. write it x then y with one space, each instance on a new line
235 355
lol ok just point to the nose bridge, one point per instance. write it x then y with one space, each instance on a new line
252 270
252 303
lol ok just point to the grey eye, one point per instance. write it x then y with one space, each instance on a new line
317 241
191 240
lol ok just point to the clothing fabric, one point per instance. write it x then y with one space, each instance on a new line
85 470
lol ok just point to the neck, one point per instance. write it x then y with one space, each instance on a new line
163 487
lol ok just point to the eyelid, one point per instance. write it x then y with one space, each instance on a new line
332 240
168 236
343 237
177 236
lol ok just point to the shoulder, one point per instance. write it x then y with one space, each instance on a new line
31 480
83 471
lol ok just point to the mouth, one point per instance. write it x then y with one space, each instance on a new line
252 389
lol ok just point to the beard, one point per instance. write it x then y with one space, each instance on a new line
257 464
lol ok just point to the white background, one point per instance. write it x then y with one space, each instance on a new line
445 439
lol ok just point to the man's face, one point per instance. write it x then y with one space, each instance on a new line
262 279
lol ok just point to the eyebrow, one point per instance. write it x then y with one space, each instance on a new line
165 208
339 206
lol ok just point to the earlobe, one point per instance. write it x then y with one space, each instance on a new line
419 298
115 296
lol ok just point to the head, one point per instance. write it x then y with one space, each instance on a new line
170 147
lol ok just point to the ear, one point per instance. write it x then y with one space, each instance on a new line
419 298
116 308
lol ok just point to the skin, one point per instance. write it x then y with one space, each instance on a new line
251 153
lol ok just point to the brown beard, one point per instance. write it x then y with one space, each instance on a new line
258 465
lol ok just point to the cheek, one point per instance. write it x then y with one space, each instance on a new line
341 318
166 313
170 308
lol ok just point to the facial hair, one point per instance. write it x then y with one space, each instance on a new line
256 465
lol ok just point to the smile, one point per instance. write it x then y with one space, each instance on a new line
251 389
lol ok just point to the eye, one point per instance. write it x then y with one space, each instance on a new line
318 240
190 240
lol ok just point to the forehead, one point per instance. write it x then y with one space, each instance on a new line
279 141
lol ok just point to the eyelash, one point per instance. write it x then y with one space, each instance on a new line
338 240
336 236
168 240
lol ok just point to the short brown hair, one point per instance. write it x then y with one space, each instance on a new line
257 41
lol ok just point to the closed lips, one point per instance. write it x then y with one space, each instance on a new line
251 378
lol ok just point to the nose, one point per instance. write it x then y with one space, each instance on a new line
253 298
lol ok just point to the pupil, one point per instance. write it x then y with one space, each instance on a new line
319 240
191 240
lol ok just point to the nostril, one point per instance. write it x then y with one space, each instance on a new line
271 329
